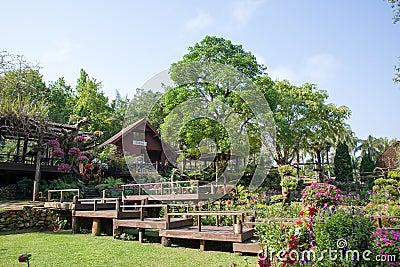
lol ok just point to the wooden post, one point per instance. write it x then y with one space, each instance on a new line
202 245
166 216
217 220
199 222
238 228
250 221
38 171
379 222
96 226
48 195
141 234
165 241
74 224
95 205
118 205
62 197
103 195
24 149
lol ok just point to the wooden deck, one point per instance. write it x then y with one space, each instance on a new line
209 233
109 214
152 223
249 246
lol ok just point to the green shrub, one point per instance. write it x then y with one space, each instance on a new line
343 230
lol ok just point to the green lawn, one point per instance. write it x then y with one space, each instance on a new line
65 249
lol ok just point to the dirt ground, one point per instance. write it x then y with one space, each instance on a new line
18 204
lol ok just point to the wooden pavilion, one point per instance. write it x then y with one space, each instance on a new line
32 157
390 158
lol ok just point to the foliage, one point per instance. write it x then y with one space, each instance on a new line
125 237
388 187
24 186
109 183
8 192
139 107
374 146
64 182
367 164
289 182
320 195
61 100
220 50
342 229
91 103
343 164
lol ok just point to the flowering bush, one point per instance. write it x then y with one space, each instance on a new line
82 159
74 151
320 195
86 154
342 229
58 153
79 139
387 242
53 143
65 167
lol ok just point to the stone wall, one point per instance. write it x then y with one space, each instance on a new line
32 217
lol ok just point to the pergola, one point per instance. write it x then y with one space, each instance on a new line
29 130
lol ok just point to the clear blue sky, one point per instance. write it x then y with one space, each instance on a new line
347 47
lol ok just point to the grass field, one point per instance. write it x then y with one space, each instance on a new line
65 249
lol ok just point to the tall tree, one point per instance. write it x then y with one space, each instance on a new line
217 86
342 162
324 121
93 104
374 146
22 105
61 100
367 164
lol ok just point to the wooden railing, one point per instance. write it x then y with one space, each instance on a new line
379 218
177 187
238 217
62 193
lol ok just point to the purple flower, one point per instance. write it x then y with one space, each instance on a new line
65 167
58 153
53 143
74 150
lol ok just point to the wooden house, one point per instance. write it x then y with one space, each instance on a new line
131 142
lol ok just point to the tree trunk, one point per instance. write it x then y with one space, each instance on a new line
319 166
329 164
38 171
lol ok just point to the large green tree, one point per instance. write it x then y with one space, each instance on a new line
342 162
214 77
91 103
61 100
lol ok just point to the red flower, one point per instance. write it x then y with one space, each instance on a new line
301 213
311 211
298 222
